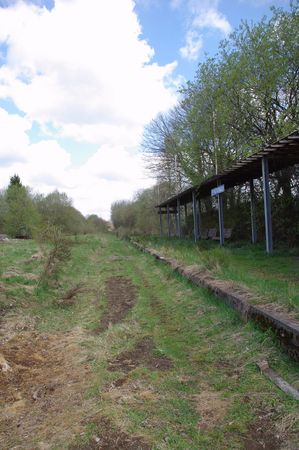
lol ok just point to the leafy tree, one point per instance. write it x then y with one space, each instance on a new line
21 218
238 101
56 209
96 224
15 180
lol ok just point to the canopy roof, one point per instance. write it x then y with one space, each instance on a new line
281 154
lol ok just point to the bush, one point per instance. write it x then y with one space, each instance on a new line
56 248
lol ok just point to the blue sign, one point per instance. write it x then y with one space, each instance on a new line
217 190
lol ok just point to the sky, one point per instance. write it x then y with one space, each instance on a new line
80 79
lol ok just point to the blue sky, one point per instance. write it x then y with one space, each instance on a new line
165 26
79 80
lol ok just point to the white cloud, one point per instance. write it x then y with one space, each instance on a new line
82 62
212 19
13 138
83 70
112 173
201 15
192 46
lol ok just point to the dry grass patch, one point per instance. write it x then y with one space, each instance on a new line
42 399
211 408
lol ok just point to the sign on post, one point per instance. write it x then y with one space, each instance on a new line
217 190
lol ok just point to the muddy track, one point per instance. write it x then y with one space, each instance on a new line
108 437
143 354
121 297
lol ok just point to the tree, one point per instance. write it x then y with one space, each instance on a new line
238 101
15 180
21 218
96 224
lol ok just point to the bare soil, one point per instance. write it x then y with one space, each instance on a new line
108 437
262 435
121 297
142 354
42 392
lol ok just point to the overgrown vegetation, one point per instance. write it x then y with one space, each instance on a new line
240 100
56 249
272 280
23 213
178 371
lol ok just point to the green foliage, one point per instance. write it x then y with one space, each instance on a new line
21 217
15 180
139 216
56 209
240 100
96 224
56 248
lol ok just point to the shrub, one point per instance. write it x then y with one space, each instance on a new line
56 248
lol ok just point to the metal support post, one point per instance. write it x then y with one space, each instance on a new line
221 221
199 219
267 205
220 215
161 223
253 213
179 232
168 220
195 225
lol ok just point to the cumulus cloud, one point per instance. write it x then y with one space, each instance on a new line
80 70
112 173
192 46
13 138
202 14
212 18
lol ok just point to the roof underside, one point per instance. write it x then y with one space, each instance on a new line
281 154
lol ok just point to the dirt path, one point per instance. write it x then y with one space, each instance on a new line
141 354
44 377
175 372
42 389
121 296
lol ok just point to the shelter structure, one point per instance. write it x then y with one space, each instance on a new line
272 158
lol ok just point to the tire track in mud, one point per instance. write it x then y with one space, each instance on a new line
121 297
143 354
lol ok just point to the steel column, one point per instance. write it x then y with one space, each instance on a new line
253 213
195 224
267 205
221 220
199 219
161 223
220 216
168 220
179 232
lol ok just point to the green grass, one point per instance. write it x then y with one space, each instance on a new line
274 278
212 350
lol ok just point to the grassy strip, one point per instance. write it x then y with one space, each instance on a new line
273 278
213 397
